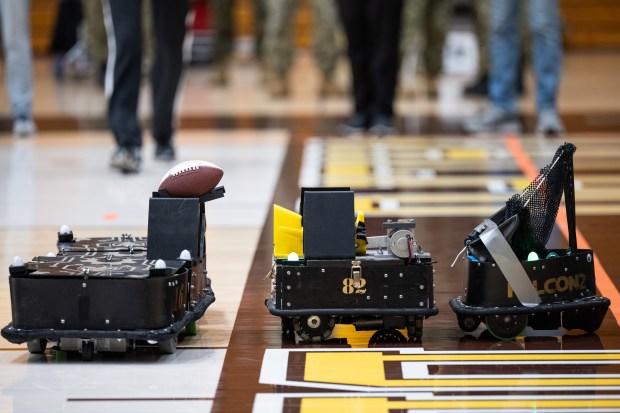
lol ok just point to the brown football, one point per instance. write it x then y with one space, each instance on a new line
191 179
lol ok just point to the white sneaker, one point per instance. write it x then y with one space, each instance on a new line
24 127
549 124
493 120
126 160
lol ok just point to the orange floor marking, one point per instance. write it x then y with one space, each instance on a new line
109 217
603 280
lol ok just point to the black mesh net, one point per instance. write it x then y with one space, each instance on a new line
537 206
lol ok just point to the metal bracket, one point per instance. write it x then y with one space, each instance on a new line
509 264
356 273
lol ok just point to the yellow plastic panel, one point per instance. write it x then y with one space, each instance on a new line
288 234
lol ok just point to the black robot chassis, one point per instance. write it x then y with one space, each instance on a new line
337 275
507 286
113 294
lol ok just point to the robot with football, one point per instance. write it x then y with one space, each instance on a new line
122 292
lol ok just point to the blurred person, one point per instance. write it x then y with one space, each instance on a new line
278 44
224 38
326 34
479 86
501 112
260 14
428 19
96 38
123 76
15 21
65 34
372 29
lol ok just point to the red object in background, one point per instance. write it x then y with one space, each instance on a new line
202 16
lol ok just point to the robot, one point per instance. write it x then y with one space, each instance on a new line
327 271
513 281
117 293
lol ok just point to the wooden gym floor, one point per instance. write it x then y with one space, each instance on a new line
238 362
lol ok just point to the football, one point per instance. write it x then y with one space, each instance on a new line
191 179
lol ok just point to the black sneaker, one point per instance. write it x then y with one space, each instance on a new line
126 160
355 125
382 126
164 153
480 86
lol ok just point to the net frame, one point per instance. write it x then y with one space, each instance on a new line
536 207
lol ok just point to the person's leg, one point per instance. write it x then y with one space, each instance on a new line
278 43
504 53
544 23
223 38
18 57
95 36
148 40
437 18
479 86
411 45
122 86
325 45
353 17
384 23
122 81
169 29
501 115
411 25
260 16
483 15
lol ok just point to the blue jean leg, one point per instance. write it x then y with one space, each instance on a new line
544 21
18 55
504 45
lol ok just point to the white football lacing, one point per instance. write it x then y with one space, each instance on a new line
193 167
